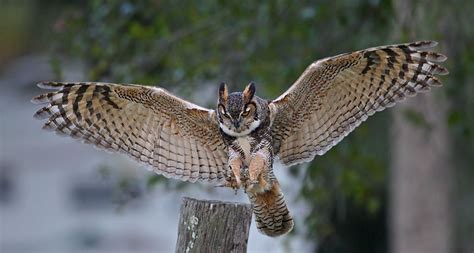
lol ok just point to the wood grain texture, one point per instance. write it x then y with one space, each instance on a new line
213 226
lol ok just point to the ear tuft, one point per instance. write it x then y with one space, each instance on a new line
223 93
249 92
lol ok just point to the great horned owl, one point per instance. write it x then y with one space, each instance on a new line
235 146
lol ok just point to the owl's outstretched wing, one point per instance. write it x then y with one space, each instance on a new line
176 138
334 95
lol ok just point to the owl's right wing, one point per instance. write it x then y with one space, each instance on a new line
176 138
334 95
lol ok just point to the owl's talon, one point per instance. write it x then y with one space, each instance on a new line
257 186
231 182
252 186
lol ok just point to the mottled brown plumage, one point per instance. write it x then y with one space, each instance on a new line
235 145
334 95
174 137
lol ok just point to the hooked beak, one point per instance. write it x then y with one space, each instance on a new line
236 124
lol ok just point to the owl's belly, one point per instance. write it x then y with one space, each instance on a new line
245 143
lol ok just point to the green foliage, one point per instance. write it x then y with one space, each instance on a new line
176 42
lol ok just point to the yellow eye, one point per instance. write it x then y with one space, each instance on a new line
246 112
222 111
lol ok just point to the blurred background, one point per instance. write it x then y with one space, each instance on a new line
401 182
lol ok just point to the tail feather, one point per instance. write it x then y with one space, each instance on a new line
271 213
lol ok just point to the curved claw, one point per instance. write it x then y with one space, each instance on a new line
231 182
257 186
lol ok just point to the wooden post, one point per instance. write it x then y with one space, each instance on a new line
213 226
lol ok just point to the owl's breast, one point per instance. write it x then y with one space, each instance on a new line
245 145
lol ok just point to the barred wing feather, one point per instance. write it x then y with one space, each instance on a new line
174 137
334 95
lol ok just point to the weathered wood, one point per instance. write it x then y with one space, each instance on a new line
213 226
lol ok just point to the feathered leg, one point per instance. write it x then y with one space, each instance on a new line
271 213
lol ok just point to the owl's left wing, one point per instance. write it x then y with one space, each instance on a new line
176 138
334 95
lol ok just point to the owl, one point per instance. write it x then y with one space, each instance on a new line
236 144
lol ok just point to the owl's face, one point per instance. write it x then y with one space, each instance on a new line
238 112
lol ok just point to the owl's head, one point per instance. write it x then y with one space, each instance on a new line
238 112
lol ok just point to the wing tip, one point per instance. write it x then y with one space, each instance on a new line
36 100
442 71
441 57
40 99
48 126
423 44
49 85
434 81
41 113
